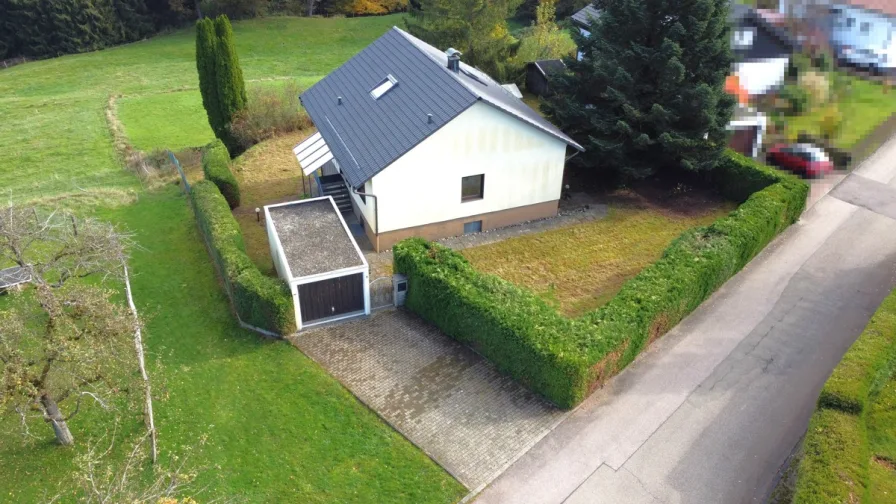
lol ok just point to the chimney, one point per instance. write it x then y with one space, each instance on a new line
453 59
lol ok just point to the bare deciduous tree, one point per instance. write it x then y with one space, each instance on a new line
68 341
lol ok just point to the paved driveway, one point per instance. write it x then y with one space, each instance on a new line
711 412
441 395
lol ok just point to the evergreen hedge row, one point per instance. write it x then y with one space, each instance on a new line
216 166
259 300
563 359
836 450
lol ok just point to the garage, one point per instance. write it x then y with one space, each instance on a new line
315 253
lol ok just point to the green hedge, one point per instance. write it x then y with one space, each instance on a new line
216 166
866 366
564 360
259 300
834 461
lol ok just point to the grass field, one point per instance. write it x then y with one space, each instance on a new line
581 267
54 135
279 428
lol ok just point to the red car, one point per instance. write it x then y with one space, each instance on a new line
806 159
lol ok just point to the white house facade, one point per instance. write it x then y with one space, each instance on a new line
513 172
425 145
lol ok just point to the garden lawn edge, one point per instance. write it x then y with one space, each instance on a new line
563 359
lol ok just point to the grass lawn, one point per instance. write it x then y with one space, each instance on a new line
882 436
54 134
864 107
279 428
581 267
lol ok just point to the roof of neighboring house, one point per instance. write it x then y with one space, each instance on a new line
741 15
583 17
887 7
366 135
549 67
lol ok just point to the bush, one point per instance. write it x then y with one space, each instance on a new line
795 98
866 366
216 167
258 300
564 360
271 111
835 460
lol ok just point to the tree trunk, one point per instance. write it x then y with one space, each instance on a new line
51 410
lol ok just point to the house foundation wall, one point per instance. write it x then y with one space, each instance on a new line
455 227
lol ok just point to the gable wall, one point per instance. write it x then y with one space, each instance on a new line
522 166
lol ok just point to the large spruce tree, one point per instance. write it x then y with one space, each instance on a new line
648 93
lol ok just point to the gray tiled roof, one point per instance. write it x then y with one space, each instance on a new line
550 67
584 16
367 135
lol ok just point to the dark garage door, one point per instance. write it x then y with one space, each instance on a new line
331 297
743 139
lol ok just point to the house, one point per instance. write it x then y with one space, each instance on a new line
414 142
582 20
538 74
761 50
861 32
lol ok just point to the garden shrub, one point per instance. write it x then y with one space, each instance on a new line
563 359
796 99
216 166
259 300
272 111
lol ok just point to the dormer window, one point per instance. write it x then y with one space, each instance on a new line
742 38
383 87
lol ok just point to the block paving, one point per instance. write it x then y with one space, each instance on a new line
441 395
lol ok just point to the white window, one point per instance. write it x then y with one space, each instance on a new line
743 38
866 27
388 83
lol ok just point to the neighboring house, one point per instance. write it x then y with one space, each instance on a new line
422 144
582 20
762 51
538 74
861 32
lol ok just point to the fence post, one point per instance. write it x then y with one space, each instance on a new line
183 176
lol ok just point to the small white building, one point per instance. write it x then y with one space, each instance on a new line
316 255
413 142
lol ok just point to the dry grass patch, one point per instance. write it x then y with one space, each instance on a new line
581 267
269 172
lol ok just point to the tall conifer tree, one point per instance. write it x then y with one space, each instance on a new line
230 84
648 93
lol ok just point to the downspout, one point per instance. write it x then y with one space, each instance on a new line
376 214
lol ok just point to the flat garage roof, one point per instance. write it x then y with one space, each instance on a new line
314 238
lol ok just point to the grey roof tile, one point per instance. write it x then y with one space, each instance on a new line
366 135
583 17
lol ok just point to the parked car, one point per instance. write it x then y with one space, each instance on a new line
802 158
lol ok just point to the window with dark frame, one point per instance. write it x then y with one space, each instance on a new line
471 187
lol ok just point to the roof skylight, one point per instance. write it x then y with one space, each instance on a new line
384 87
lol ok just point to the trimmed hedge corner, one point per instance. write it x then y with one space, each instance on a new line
834 465
216 166
259 300
563 359
835 459
866 366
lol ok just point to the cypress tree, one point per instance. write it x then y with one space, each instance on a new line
206 50
648 93
229 77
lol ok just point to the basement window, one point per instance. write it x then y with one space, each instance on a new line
383 87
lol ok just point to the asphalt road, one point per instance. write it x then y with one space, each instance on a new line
711 412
